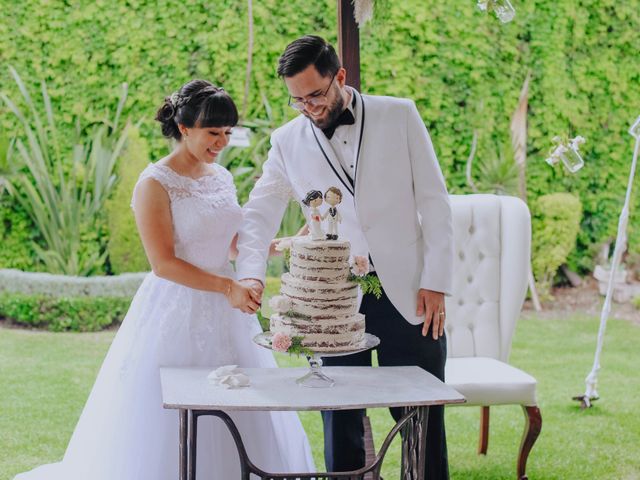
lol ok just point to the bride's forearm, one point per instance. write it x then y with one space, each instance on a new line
185 273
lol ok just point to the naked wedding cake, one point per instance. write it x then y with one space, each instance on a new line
317 300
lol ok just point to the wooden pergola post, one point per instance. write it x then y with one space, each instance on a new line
349 42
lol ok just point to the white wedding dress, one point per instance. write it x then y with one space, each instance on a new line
123 432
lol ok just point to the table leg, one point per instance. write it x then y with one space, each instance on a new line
193 444
414 440
182 443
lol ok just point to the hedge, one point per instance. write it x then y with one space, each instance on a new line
81 314
41 283
84 314
463 68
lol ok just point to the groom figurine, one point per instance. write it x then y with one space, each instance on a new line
395 211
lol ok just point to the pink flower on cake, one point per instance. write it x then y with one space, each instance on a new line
360 266
280 342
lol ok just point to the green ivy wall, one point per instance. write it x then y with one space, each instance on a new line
463 68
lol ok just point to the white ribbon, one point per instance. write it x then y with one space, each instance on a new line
362 11
591 392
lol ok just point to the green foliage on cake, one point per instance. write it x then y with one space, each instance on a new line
368 284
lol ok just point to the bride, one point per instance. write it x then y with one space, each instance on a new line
190 311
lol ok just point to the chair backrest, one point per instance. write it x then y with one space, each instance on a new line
492 248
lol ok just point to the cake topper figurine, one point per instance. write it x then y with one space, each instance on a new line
333 196
313 200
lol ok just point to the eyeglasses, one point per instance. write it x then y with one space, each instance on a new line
315 101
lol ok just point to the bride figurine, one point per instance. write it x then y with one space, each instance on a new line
313 200
189 311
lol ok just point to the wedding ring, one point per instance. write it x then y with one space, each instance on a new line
441 314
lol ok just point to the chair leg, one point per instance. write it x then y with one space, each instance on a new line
483 443
533 425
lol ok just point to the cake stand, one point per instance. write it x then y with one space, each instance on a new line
315 377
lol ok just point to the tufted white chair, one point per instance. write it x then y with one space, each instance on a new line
492 238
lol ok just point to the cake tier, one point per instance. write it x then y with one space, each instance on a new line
320 298
335 334
325 261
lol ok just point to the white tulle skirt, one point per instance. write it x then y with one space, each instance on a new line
125 434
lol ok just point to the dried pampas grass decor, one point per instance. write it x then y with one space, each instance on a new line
363 11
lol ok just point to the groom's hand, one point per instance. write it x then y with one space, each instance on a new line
431 305
256 285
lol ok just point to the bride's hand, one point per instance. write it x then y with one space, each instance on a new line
243 297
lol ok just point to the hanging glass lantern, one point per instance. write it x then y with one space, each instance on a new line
502 9
568 153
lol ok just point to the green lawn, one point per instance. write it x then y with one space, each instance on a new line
46 377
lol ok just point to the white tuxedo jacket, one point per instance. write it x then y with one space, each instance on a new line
398 212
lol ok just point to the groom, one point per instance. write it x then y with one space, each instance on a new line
395 210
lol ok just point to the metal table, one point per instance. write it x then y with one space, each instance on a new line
275 389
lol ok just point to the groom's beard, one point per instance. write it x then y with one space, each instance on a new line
334 109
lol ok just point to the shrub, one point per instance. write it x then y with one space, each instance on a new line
555 222
636 302
17 236
16 232
63 192
498 173
80 314
125 248
4 166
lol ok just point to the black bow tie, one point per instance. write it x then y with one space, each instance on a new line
345 118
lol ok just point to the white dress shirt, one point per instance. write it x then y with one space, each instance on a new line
345 138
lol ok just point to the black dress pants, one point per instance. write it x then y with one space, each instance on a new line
401 344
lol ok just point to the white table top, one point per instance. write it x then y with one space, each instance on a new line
276 389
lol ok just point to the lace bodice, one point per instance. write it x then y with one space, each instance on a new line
205 214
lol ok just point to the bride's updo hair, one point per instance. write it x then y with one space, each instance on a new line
197 104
